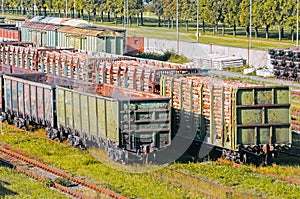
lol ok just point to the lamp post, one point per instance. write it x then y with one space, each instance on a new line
250 28
124 15
297 39
177 29
2 8
66 8
197 21
74 8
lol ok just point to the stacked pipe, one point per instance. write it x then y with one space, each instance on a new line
206 97
286 63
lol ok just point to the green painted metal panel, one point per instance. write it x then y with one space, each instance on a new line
108 46
277 115
282 96
60 98
112 115
245 97
69 109
263 116
282 135
264 135
93 116
77 110
246 136
264 96
119 45
84 113
101 44
101 113
296 139
249 116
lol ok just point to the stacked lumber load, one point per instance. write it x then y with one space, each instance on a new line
136 74
206 101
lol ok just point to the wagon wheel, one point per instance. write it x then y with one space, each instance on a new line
245 158
9 119
26 125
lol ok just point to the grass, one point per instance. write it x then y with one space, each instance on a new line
78 162
241 179
151 184
16 185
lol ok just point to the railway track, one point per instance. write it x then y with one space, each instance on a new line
263 172
73 186
198 185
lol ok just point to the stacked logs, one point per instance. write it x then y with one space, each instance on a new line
141 75
286 63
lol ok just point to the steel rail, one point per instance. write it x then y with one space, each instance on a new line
108 192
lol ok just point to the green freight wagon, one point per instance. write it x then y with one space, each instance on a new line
30 98
41 34
92 39
244 121
114 118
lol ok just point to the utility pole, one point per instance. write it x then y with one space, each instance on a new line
250 28
297 39
66 8
127 11
2 8
197 21
177 29
124 15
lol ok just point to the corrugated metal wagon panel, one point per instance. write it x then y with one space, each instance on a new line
93 117
84 113
112 110
77 111
60 100
101 116
21 94
69 109
31 99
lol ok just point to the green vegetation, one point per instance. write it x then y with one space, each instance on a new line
156 184
241 179
169 56
81 163
16 185
222 22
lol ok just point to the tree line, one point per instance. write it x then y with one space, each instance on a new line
266 14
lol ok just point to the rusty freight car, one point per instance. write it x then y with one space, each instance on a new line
128 124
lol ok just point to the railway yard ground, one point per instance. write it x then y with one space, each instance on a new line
218 179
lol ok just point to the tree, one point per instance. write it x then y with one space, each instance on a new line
169 11
214 12
188 11
158 9
257 12
231 17
244 16
282 11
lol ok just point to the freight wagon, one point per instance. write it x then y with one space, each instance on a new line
9 32
137 74
124 122
244 121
